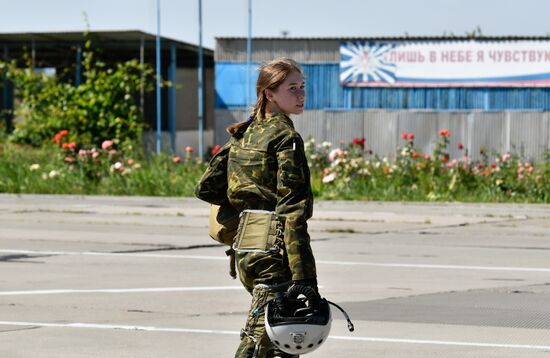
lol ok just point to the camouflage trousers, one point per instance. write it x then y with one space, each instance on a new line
263 275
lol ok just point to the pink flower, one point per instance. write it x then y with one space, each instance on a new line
410 136
106 144
460 146
329 178
444 133
72 145
404 135
176 160
335 153
118 166
130 161
189 149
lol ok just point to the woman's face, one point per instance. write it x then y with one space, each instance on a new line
289 97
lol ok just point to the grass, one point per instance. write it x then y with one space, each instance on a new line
51 170
43 171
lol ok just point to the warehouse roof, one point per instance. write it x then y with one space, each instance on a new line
120 37
400 38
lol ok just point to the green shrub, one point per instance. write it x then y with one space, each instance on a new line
103 106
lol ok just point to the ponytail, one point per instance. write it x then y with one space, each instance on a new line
236 130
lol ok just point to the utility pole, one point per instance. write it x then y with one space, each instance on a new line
159 112
200 88
248 54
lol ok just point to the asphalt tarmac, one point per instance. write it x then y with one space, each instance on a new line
139 277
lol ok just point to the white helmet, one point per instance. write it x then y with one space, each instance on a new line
298 325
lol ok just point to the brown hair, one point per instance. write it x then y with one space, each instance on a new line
272 75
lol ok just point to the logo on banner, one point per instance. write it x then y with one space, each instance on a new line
364 62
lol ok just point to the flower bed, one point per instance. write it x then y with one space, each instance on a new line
348 171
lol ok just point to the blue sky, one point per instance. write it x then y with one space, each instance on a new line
315 18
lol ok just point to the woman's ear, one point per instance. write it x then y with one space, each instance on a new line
268 94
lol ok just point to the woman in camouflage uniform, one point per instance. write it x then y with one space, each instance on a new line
266 169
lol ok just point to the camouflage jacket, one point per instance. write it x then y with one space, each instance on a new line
265 167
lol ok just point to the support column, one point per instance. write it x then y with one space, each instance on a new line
200 104
142 78
78 73
7 97
172 97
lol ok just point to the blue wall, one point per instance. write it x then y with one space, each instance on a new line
324 92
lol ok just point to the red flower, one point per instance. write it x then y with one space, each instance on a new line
404 135
360 142
444 159
216 149
189 149
444 133
414 154
460 146
72 145
176 160
410 136
65 146
64 132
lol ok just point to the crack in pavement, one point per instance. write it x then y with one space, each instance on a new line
19 329
20 257
167 248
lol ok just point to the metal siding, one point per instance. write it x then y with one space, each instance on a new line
324 92
486 131
342 127
380 132
225 118
311 124
424 126
303 51
527 134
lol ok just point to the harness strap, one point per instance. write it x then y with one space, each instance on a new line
232 268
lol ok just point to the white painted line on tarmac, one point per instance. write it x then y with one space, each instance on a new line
440 343
444 267
121 290
222 332
110 326
324 262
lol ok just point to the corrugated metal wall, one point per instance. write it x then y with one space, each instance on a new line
303 51
323 91
526 134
